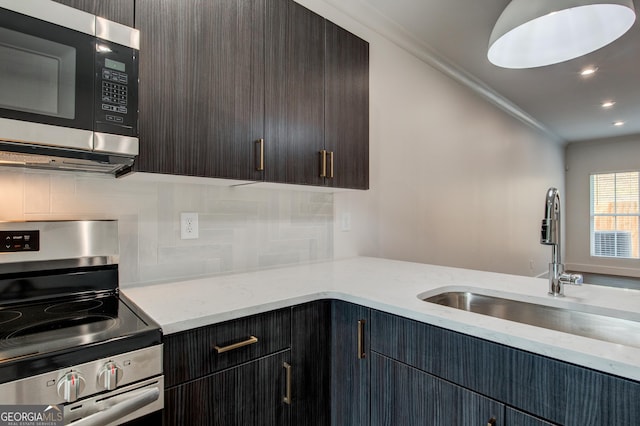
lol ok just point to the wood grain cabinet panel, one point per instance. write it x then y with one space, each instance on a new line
350 364
121 11
217 77
347 107
402 395
518 418
553 390
201 87
294 93
311 358
247 395
192 354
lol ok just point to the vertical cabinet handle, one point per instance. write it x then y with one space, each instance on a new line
361 352
260 155
331 165
323 163
287 392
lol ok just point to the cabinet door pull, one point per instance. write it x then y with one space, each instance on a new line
323 163
492 422
287 393
361 352
260 166
331 165
250 341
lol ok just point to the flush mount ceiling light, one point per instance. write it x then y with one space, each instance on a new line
535 33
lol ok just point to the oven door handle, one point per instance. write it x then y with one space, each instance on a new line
121 409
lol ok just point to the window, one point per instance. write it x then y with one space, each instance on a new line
615 215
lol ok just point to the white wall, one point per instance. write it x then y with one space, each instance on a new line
455 181
583 160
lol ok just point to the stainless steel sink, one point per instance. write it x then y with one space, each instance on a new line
586 324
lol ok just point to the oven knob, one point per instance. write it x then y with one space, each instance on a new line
109 376
70 386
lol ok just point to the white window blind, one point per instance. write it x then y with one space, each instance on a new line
615 215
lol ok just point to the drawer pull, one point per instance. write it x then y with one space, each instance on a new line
250 341
287 392
361 352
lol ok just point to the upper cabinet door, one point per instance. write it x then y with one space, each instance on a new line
294 93
201 86
347 108
120 11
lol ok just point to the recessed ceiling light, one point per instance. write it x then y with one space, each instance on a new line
588 71
608 104
618 123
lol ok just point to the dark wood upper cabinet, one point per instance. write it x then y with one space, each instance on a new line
317 99
347 107
201 86
294 93
218 77
121 11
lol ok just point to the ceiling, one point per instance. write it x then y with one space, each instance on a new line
556 97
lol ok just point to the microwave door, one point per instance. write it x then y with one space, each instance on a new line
46 79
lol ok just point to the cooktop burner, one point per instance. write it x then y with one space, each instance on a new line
67 326
6 316
77 306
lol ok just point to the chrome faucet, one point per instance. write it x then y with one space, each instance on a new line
551 236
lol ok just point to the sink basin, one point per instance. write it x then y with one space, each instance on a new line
586 324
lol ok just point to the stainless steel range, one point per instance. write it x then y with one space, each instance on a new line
67 336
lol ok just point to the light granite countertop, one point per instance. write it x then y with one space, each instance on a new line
393 287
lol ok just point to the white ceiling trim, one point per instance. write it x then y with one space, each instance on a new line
389 29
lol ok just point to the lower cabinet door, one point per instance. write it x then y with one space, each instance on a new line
518 418
350 364
403 395
246 395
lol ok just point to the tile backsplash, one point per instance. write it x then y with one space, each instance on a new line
241 228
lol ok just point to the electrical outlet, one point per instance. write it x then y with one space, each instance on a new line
345 222
188 226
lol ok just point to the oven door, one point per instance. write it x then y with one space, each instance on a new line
119 406
46 76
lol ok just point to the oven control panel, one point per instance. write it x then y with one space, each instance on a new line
75 383
15 241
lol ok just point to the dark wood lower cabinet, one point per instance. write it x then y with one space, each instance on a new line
402 395
246 395
553 390
350 366
311 361
356 366
518 418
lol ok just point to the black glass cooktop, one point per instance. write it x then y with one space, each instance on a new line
73 327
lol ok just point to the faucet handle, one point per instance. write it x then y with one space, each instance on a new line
576 279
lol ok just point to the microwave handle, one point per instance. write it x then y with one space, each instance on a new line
120 410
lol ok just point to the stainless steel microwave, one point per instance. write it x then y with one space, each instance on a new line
68 88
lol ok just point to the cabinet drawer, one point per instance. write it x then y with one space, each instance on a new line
201 351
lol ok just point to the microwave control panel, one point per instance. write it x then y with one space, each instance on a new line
116 89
